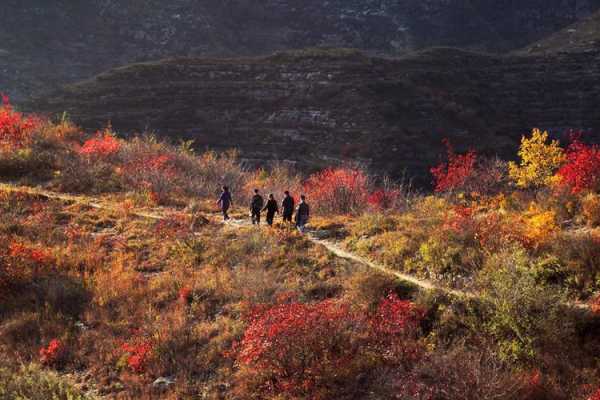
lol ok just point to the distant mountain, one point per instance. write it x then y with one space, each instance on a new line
583 36
315 107
47 43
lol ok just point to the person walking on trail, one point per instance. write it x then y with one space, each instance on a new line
302 214
256 207
287 206
225 201
271 208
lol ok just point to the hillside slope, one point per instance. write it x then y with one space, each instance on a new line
317 107
44 44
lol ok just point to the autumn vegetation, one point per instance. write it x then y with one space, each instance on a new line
150 296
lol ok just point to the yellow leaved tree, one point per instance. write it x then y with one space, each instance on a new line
540 159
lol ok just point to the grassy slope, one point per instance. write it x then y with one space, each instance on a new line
106 280
120 274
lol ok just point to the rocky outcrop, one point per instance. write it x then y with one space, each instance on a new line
46 43
319 107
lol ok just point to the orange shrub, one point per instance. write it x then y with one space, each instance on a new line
590 209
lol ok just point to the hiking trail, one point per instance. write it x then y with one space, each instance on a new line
237 223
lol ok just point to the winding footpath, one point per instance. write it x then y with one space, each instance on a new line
331 246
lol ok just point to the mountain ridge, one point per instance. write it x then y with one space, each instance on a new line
44 45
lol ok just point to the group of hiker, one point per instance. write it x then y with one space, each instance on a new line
257 206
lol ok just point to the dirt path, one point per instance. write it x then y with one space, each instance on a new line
332 247
424 284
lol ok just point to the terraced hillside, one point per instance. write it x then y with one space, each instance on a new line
315 107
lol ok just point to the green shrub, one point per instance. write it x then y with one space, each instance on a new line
446 258
590 209
32 383
26 162
523 315
370 224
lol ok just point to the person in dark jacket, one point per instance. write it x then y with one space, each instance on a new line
302 214
271 208
287 206
256 207
225 201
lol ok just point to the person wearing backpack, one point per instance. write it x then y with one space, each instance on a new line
271 208
302 214
256 206
287 207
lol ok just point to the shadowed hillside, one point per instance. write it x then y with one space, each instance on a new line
315 107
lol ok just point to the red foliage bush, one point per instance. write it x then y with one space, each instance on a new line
384 199
338 190
53 354
594 305
156 174
301 350
103 145
185 295
453 175
174 226
30 254
394 317
595 395
15 128
581 172
138 355
460 220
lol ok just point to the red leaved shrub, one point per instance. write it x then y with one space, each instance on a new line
453 174
581 172
15 128
155 174
595 395
460 220
185 295
338 190
594 304
53 354
384 199
321 349
174 226
30 254
138 355
103 145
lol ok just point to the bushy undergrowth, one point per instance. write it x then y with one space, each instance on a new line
32 383
236 313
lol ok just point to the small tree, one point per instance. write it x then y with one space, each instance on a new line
581 171
540 159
